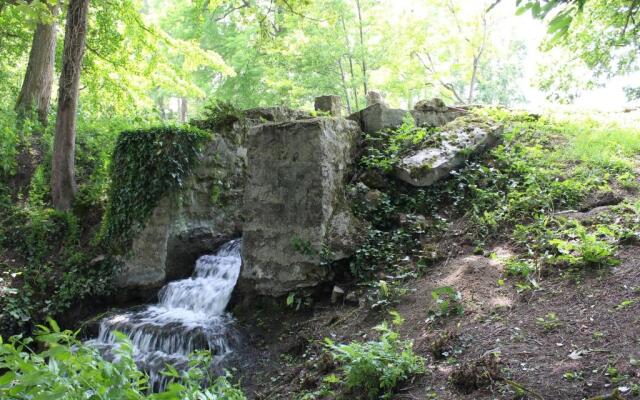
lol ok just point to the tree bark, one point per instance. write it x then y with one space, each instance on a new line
344 85
351 71
63 185
476 60
363 48
183 109
38 79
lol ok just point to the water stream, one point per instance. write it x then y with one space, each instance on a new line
190 316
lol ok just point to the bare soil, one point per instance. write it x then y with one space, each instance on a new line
592 350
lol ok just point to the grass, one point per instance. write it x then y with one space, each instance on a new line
592 142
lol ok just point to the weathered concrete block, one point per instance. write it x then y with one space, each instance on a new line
378 117
458 141
374 97
330 104
295 209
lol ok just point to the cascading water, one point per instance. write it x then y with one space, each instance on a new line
190 316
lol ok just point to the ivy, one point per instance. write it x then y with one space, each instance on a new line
146 165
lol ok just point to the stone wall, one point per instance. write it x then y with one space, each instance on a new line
185 225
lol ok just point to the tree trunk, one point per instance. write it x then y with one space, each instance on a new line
63 185
38 79
474 78
344 86
353 77
363 49
183 109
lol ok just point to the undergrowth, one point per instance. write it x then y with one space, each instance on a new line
375 369
540 167
70 369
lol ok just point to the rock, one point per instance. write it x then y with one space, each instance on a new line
352 298
378 117
434 104
337 294
433 119
295 208
329 104
374 97
375 179
458 141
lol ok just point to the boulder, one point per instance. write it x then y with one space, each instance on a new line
433 113
429 114
458 140
434 104
297 218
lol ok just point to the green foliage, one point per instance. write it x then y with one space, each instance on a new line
68 368
583 249
219 114
374 369
386 148
386 294
48 263
559 243
146 165
549 323
448 302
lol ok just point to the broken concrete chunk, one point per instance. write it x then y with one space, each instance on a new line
434 104
378 117
374 97
329 104
337 294
458 141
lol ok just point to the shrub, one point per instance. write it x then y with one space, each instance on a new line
72 370
376 368
48 266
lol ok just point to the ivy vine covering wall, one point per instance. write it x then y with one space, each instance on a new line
146 165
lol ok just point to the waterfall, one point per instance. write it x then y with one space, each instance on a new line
190 316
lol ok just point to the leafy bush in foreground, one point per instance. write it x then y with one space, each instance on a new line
68 369
375 369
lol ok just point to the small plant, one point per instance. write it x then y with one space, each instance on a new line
549 322
442 346
299 300
583 249
472 376
448 302
386 294
374 369
303 246
572 376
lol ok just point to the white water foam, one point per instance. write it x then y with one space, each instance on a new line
190 316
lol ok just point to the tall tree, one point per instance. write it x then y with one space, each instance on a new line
363 49
63 183
35 93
